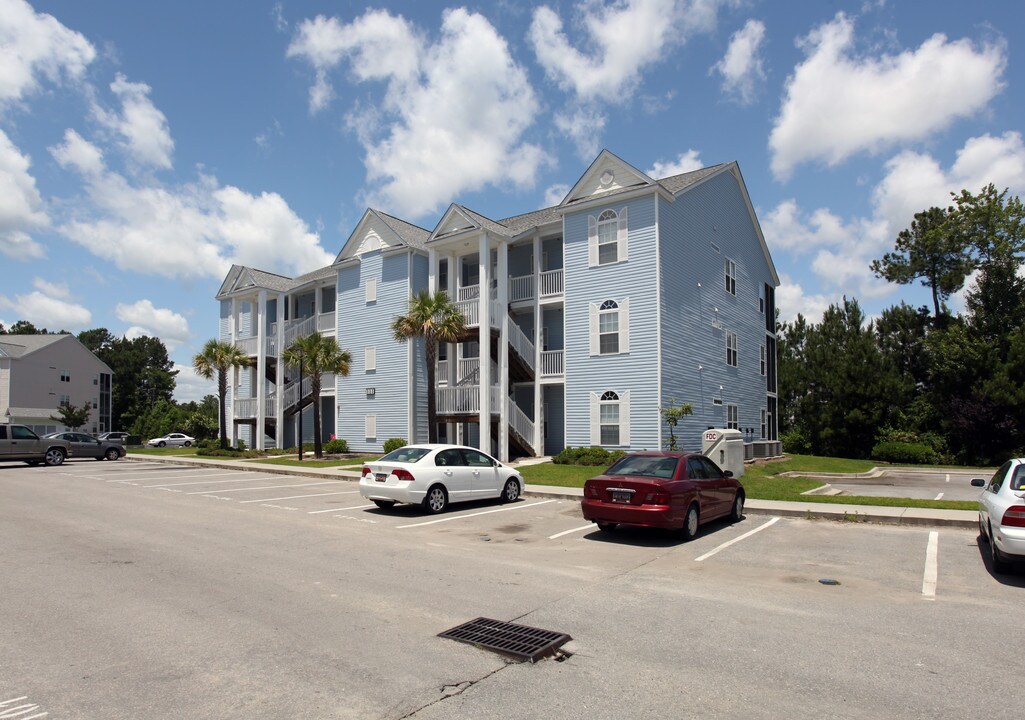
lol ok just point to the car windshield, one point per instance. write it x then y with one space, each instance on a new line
405 454
645 466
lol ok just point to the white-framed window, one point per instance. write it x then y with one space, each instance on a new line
370 358
731 348
730 270
610 418
65 400
370 426
607 238
610 327
371 290
732 415
65 376
763 423
761 360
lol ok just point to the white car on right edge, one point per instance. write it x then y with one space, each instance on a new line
1002 513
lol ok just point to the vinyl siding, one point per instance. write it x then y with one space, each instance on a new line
224 324
634 372
711 215
360 325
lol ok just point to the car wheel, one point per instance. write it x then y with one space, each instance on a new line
112 454
997 558
436 499
511 491
384 504
54 456
161 444
607 527
737 513
188 443
690 523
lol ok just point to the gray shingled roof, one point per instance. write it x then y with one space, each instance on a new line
413 235
16 346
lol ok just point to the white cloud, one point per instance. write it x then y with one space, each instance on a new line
141 126
623 38
36 44
452 116
742 67
554 194
191 387
169 326
193 230
791 299
49 306
21 207
837 104
686 162
582 125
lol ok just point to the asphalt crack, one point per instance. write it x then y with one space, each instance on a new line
451 690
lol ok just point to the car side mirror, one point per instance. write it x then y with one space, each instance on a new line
727 473
978 482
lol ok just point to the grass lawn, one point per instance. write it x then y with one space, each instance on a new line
161 451
292 461
762 482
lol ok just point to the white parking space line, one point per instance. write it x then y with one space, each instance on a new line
932 552
486 512
181 475
257 477
9 710
264 487
748 534
354 507
294 497
574 530
948 477
938 497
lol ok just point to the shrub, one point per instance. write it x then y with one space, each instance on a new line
230 452
904 452
241 444
276 451
336 446
392 444
795 442
207 445
587 456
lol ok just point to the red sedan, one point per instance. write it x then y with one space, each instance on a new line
671 490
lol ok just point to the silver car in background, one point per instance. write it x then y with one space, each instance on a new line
1002 513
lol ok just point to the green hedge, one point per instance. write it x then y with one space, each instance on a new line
336 446
904 453
230 452
587 456
392 444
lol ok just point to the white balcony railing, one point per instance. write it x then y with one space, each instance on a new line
470 292
521 288
552 363
551 283
441 372
247 408
326 322
465 400
468 371
248 345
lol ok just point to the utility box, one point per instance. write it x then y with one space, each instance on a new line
725 448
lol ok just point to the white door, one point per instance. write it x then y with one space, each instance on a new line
484 474
453 473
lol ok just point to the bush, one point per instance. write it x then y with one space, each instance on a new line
336 446
393 444
230 452
276 451
587 456
241 444
904 452
795 442
207 445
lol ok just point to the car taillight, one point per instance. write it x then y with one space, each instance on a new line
366 470
404 475
1014 516
592 491
656 498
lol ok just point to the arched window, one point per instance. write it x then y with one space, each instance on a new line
608 232
608 418
608 328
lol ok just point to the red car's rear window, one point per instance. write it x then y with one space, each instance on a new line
645 466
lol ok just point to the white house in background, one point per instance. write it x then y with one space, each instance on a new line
583 319
39 373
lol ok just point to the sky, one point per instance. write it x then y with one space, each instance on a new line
146 146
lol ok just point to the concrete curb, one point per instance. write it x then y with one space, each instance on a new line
808 510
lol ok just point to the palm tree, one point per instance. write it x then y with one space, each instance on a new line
315 355
219 357
435 318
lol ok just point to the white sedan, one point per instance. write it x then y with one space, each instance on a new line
1002 513
172 440
436 475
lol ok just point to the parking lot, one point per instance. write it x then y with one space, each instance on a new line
205 592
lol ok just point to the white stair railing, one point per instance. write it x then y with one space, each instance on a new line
522 424
299 329
521 344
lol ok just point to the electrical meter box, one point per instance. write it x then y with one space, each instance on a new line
725 448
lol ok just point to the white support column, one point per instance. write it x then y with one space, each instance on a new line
229 416
503 351
453 348
538 438
432 271
261 370
279 377
484 337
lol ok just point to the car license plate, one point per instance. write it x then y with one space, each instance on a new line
381 477
619 496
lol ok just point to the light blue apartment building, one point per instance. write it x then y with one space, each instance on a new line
582 320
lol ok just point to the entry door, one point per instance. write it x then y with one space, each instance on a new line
454 474
484 474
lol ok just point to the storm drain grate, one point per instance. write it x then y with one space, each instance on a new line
519 641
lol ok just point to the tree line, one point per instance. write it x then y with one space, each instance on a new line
949 387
